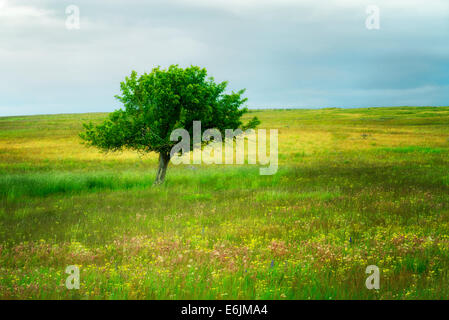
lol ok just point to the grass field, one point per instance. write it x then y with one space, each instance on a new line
355 187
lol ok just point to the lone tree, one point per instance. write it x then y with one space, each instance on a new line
159 102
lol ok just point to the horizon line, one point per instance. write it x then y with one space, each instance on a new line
253 108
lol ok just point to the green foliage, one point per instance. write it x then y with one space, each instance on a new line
156 103
412 149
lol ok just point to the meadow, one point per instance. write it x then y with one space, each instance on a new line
355 187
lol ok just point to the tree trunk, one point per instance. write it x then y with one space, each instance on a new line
164 159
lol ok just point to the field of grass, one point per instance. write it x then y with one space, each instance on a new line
355 187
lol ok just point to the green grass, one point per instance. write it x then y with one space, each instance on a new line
415 149
355 187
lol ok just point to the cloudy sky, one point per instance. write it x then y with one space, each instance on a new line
286 53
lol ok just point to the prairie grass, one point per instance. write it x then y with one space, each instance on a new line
355 187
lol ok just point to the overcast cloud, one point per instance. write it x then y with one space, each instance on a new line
286 53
